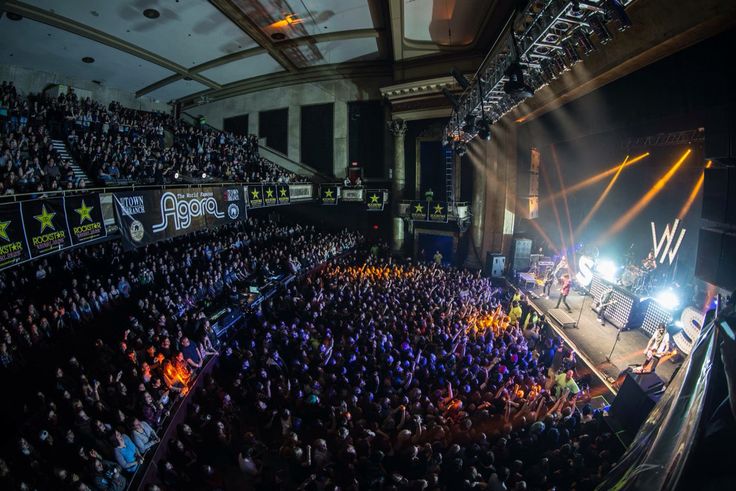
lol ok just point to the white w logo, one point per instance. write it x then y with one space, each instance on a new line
666 241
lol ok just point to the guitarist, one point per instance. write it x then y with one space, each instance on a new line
657 348
603 303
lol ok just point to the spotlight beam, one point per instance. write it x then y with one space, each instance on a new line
601 198
574 263
593 179
694 193
645 200
555 211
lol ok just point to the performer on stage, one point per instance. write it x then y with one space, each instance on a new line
562 265
564 292
650 262
603 303
549 279
657 348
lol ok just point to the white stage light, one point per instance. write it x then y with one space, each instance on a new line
607 269
667 299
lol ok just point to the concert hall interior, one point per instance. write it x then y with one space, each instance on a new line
329 245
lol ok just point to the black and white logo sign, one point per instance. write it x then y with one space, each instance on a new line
181 210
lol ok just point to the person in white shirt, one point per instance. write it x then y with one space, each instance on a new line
657 347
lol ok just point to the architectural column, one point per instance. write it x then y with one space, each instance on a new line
253 123
397 127
340 149
478 155
295 133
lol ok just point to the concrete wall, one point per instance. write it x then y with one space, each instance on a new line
338 92
34 81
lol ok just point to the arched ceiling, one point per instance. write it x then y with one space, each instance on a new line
198 50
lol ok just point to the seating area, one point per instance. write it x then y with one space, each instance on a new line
115 145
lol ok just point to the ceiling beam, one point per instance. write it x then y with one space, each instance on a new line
157 85
69 25
247 25
329 36
353 71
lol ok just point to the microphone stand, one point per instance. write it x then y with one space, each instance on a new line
618 335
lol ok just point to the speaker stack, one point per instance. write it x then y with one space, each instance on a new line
716 261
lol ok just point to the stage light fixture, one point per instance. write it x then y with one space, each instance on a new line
667 299
468 124
484 129
571 52
460 148
516 86
460 78
176 175
607 269
598 24
617 8
204 175
584 41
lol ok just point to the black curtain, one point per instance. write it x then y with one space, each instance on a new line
273 126
317 124
236 124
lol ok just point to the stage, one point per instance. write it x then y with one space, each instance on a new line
593 342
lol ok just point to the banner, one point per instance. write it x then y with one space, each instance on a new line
13 246
328 195
255 196
45 226
374 200
418 210
284 196
270 195
438 211
149 216
84 217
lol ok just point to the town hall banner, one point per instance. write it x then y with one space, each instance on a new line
152 215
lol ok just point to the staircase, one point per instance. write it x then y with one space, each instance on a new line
64 155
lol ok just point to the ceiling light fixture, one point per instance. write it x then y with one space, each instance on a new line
88 59
151 14
13 16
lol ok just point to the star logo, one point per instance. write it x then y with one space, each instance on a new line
269 193
438 209
45 219
3 230
374 198
328 193
255 194
282 192
418 208
84 212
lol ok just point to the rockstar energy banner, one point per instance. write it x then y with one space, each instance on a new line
255 196
270 195
328 195
45 226
437 211
13 247
148 216
374 200
284 196
418 210
84 216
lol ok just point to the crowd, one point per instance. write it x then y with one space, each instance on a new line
28 162
117 145
373 375
136 336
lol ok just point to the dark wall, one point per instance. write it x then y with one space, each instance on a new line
366 130
432 169
317 129
236 124
273 126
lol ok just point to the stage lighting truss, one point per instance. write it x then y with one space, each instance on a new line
551 37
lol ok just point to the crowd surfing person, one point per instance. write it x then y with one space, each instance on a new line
372 375
90 421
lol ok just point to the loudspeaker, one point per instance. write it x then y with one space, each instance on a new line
522 253
716 261
638 395
495 264
719 195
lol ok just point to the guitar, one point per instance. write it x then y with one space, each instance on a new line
647 366
600 305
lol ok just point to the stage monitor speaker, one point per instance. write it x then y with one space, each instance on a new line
716 261
720 134
495 264
719 195
522 254
638 395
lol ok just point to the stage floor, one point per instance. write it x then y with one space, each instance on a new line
594 341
